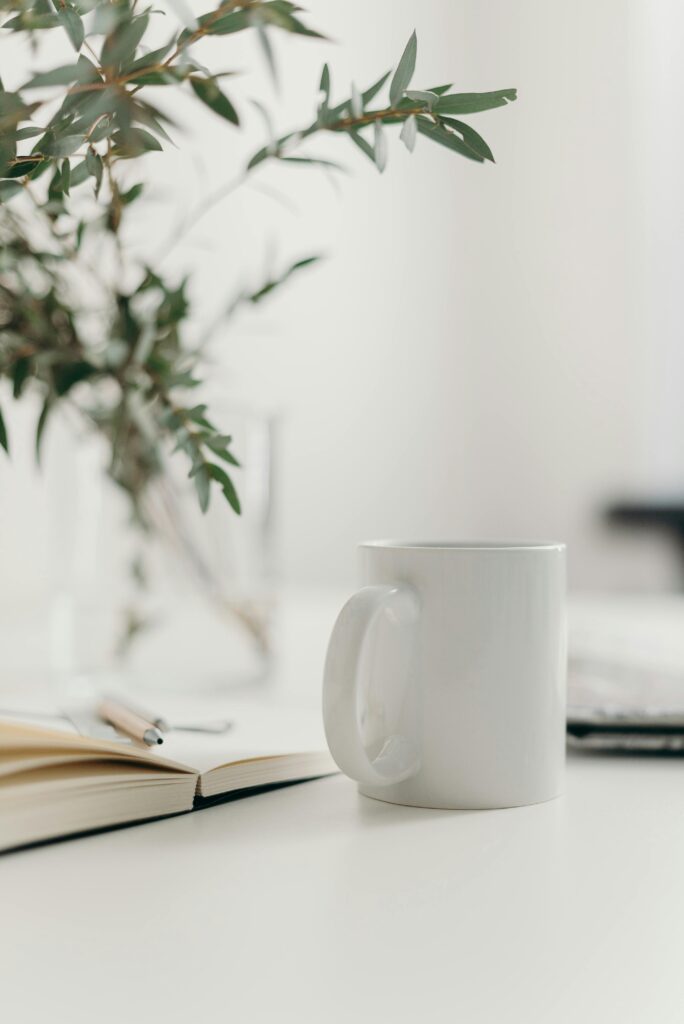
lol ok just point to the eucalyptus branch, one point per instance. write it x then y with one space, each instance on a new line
128 370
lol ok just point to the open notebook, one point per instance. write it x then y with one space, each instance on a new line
55 783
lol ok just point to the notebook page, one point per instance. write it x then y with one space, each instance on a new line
257 731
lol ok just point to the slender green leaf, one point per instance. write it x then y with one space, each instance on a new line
20 374
73 26
380 147
219 448
40 427
374 89
237 21
440 89
271 285
362 144
422 96
79 174
27 133
31 22
404 73
64 146
408 133
474 102
281 14
267 49
438 133
220 475
131 194
9 189
65 75
470 137
4 441
120 45
314 161
209 93
202 479
21 167
135 142
94 166
325 82
150 59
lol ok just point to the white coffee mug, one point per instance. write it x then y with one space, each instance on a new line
445 675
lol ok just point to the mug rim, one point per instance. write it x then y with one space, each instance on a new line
466 545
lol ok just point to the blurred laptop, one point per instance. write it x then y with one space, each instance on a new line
626 672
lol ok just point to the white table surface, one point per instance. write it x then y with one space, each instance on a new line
315 905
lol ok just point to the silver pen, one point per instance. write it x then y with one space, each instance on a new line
130 722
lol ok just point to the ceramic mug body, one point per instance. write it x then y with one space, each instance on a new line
445 675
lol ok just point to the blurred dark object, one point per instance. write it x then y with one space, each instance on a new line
635 731
665 516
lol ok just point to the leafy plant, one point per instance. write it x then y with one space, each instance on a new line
112 342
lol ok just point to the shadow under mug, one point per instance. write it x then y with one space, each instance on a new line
444 681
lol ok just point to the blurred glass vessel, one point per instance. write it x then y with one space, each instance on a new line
189 605
228 559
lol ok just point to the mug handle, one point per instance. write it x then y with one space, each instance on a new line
398 758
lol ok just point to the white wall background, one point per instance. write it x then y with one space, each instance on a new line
488 351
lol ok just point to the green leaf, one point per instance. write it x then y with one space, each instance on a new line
409 132
31 22
271 285
227 486
73 26
64 146
438 133
202 481
79 174
131 194
471 138
362 144
440 89
27 133
267 50
3 434
67 74
474 102
219 446
208 91
196 414
422 96
93 162
237 21
121 44
12 111
281 14
21 167
314 161
380 147
374 89
9 189
20 374
150 59
404 73
40 427
325 82
103 129
135 142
